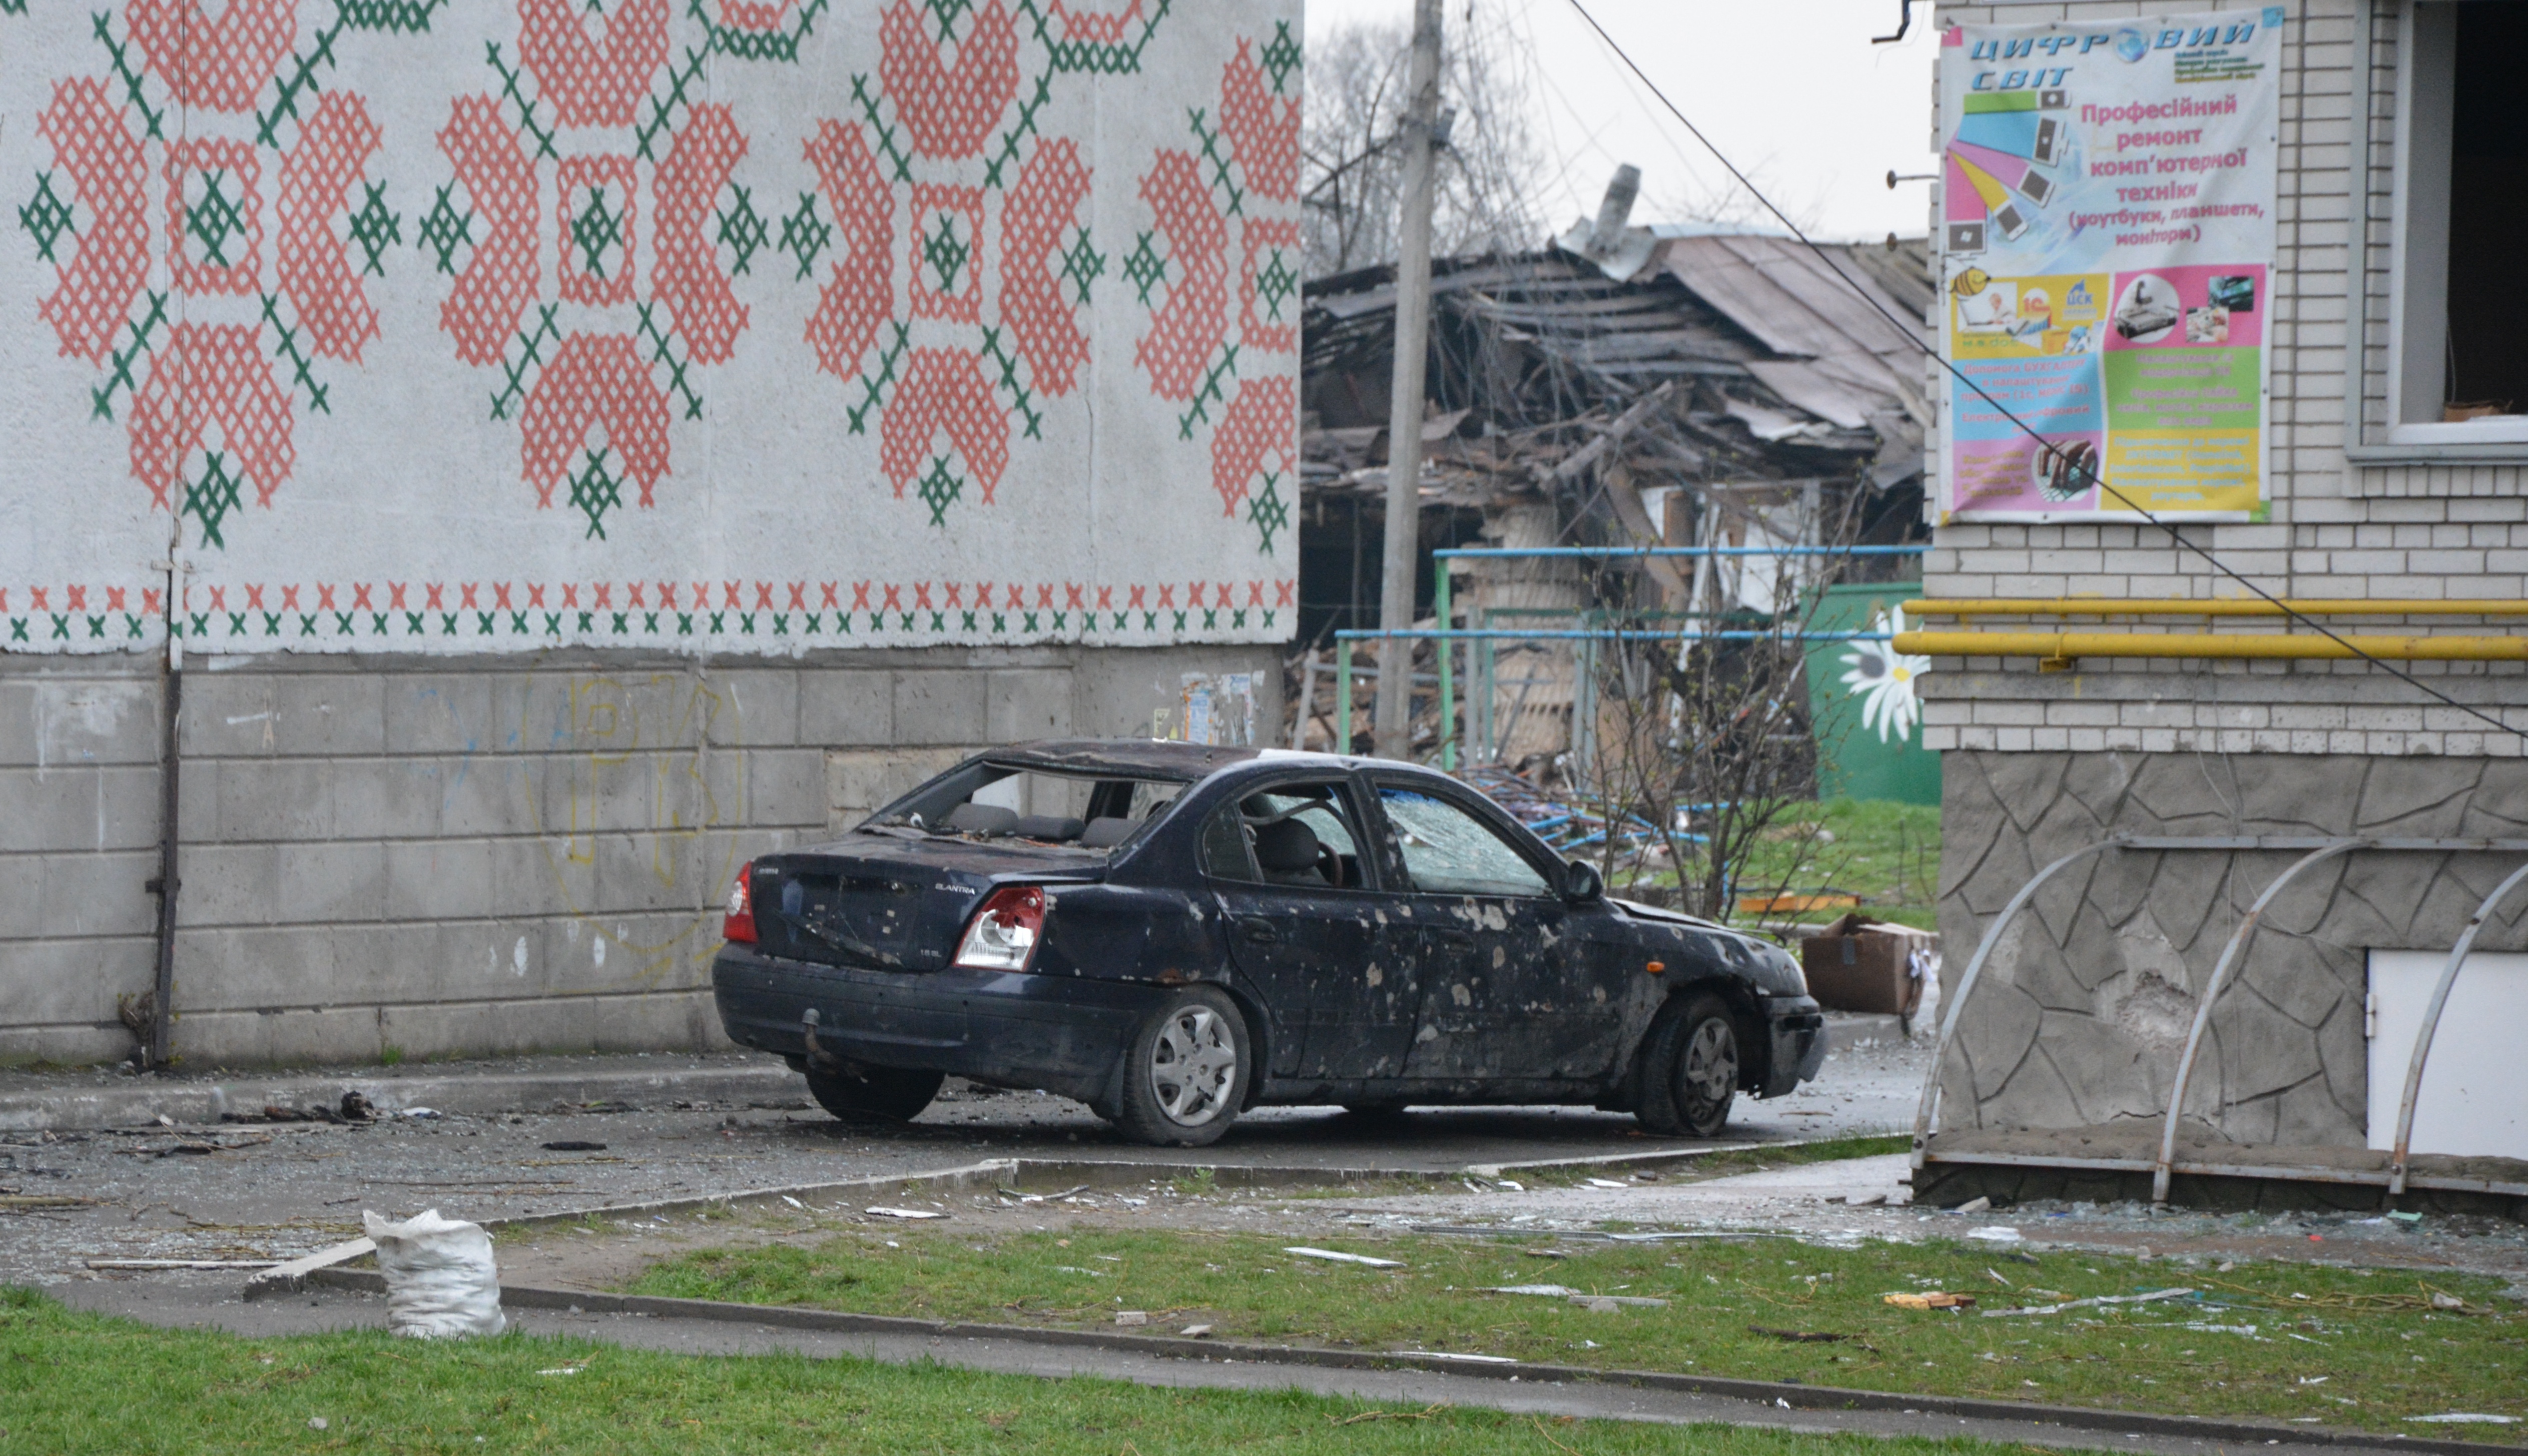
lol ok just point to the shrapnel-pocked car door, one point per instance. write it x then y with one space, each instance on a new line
1514 984
1306 923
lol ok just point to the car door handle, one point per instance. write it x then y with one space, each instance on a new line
1259 932
1455 940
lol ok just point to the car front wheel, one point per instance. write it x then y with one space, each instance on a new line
1705 1080
1185 1074
874 1093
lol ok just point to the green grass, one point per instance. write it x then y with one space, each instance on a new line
1887 854
76 1383
2372 1339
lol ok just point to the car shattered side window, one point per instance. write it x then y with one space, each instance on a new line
1450 852
1226 853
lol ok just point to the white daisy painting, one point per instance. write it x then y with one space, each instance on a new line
1883 679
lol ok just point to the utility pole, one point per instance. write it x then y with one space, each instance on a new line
1395 732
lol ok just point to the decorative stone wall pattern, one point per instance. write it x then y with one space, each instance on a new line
2080 1014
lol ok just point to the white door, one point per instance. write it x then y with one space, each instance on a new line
2474 1101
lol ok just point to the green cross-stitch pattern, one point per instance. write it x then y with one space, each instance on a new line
803 236
302 367
1145 270
216 219
662 352
375 228
741 228
753 45
445 231
1266 511
46 217
939 490
117 374
944 253
298 81
211 499
13 7
532 344
597 230
945 14
153 120
996 351
594 491
1120 59
1281 57
399 17
681 79
1275 284
1081 266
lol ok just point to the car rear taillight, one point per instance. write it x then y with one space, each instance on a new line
1005 931
737 927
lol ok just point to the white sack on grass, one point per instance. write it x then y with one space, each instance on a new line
440 1281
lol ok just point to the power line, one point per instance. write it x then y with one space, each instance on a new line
2082 468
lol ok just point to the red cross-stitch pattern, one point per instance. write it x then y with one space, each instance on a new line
1195 317
243 173
594 379
860 293
578 177
687 277
593 82
317 175
944 391
1264 130
1257 240
98 284
1262 425
482 311
756 16
1092 28
949 108
1040 207
218 64
933 206
210 375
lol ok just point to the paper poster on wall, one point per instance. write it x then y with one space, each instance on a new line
2107 200
732 326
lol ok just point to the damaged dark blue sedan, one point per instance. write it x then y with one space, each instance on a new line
1173 934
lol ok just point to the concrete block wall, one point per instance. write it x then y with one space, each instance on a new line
467 859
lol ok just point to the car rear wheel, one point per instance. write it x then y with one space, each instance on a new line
1185 1074
1704 1079
874 1093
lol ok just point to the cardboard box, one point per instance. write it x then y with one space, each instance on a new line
1861 964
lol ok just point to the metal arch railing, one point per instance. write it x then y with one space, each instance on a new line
2229 953
2430 1026
1928 1111
2318 850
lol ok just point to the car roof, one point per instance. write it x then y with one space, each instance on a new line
1161 758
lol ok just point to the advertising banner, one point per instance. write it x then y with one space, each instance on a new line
2107 250
725 326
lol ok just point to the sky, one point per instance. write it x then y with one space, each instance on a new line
1791 90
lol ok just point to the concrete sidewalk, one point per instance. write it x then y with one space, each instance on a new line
92 1099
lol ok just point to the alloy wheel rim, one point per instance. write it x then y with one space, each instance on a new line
1193 1065
1712 1062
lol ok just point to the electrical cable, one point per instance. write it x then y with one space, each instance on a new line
2080 466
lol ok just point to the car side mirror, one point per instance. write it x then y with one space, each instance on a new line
1582 884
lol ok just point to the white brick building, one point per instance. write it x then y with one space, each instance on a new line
2075 1030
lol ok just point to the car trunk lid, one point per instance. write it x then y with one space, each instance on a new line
893 905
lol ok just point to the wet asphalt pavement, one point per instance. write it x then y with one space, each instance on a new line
277 1190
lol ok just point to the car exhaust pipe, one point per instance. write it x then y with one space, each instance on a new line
818 1057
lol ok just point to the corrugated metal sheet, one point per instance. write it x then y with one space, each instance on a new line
1794 302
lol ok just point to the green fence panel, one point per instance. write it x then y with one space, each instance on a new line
1863 701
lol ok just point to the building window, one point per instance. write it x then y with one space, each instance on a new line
2458 370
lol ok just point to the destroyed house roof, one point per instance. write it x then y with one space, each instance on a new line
1801 345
